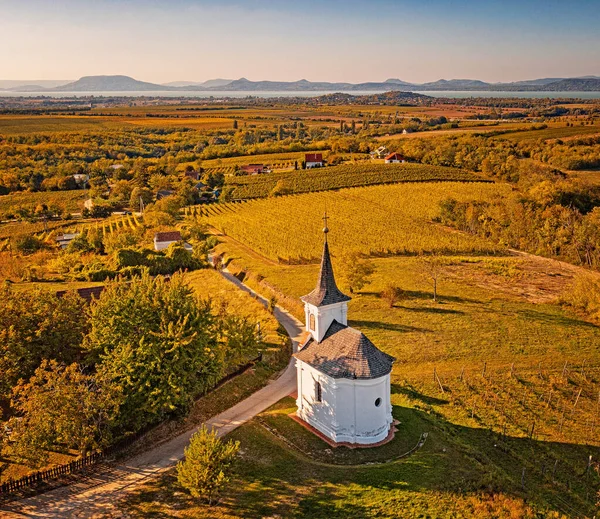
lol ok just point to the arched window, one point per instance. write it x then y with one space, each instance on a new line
318 392
311 322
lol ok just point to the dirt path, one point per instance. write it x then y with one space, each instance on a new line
97 495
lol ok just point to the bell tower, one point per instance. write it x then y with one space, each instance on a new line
326 303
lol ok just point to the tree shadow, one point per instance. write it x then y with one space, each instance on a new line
562 320
415 395
378 325
430 310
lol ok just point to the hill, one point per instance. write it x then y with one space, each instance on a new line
108 84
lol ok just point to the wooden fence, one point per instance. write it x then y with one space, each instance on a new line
93 458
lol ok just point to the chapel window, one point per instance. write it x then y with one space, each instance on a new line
318 392
311 322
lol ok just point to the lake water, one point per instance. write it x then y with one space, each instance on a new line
240 95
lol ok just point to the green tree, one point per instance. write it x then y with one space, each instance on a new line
355 271
37 325
241 338
62 406
208 464
157 342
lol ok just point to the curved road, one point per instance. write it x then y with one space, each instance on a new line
97 495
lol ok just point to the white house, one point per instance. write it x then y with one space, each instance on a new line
343 378
313 160
162 240
394 158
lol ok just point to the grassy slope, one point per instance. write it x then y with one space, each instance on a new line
466 468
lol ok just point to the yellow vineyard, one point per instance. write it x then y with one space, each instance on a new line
378 220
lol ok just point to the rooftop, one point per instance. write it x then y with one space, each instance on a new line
326 291
346 353
167 236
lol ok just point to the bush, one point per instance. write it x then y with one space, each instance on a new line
28 244
392 294
207 466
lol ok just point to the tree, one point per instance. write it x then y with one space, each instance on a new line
62 406
37 325
235 124
392 294
432 270
355 271
156 341
207 466
241 339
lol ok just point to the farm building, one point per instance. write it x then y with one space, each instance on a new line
343 378
394 158
162 240
313 160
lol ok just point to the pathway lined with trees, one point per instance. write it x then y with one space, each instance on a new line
100 492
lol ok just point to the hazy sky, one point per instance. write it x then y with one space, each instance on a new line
332 40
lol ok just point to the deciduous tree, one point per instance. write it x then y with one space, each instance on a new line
207 466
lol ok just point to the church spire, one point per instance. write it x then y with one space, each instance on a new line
326 291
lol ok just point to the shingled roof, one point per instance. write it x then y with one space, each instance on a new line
326 292
346 353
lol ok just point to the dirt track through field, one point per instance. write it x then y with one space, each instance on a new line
98 494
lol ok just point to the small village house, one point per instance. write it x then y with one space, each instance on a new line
162 240
394 158
313 160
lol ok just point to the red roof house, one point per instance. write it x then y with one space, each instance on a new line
394 158
313 160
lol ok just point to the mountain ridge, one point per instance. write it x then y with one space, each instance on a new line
115 83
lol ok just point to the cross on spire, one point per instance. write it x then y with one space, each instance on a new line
325 229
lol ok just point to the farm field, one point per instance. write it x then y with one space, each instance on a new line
479 426
336 177
66 200
554 132
376 220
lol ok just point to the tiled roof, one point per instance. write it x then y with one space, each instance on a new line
346 353
167 236
313 157
326 291
394 156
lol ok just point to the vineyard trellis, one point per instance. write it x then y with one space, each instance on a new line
375 220
347 175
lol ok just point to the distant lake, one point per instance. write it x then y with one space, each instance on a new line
239 95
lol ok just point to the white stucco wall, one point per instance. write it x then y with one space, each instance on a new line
347 412
324 316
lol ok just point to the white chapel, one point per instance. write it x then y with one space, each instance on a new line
343 378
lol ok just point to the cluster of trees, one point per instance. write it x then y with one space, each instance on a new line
499 158
552 218
80 377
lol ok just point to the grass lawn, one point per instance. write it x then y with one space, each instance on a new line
485 424
459 472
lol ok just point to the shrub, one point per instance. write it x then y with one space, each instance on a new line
392 294
207 466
